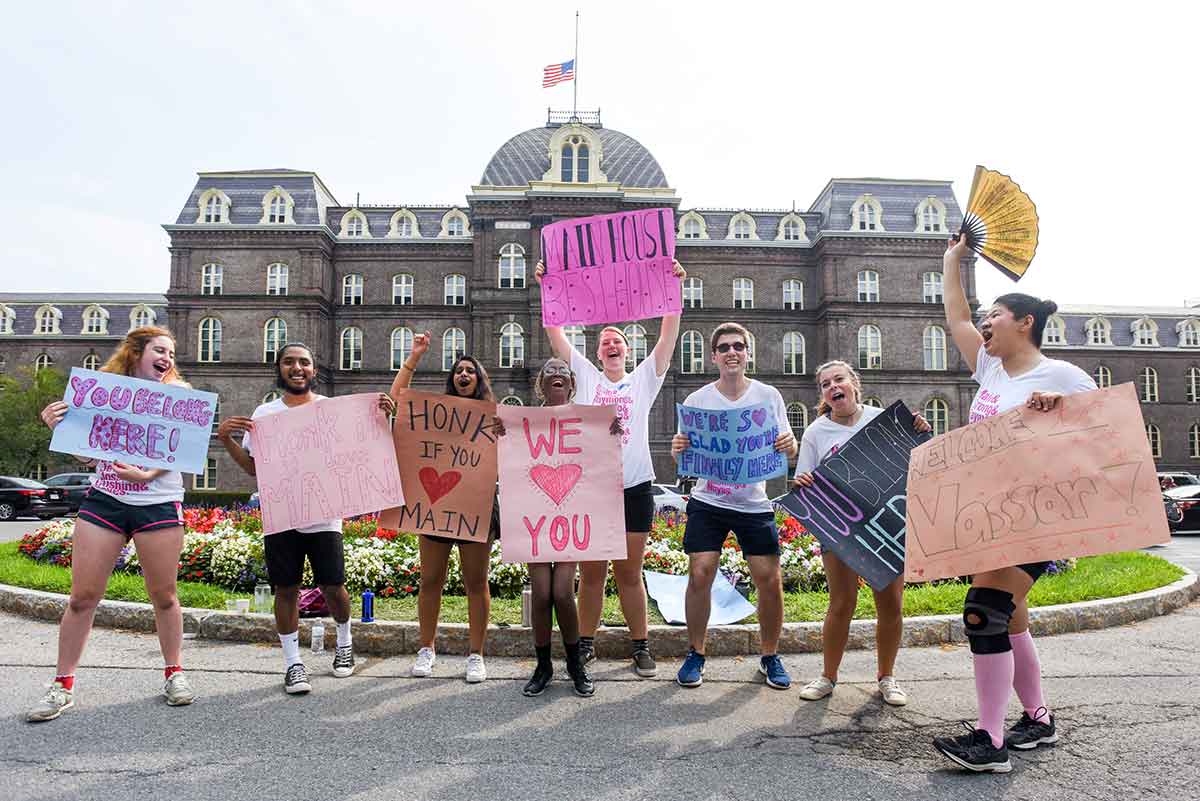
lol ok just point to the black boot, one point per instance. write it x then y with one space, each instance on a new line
578 673
543 674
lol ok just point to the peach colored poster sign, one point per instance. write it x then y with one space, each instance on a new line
1029 486
561 496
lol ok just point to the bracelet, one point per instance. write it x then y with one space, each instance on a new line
406 367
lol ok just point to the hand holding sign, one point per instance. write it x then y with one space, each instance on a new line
733 446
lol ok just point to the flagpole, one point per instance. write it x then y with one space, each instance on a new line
575 83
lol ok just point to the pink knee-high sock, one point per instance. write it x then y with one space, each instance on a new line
1027 674
993 685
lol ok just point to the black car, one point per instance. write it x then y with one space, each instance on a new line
1188 500
24 497
73 485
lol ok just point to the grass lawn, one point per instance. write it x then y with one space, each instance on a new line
1094 577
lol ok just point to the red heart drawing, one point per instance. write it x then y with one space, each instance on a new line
437 486
759 416
556 482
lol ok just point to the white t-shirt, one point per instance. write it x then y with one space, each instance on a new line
165 488
633 396
823 438
274 407
998 392
737 497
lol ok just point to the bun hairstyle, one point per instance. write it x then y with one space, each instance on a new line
1022 305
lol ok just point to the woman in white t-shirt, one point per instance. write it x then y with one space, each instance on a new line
125 502
1004 354
840 415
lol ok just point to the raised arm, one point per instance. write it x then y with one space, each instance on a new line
404 375
558 340
664 349
958 312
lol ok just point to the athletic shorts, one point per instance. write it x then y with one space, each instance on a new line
639 507
125 518
1035 569
708 526
286 550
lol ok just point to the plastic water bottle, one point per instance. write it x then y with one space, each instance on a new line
318 637
368 606
527 605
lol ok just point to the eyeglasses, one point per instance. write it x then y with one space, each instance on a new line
725 346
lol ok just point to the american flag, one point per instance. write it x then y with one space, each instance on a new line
558 73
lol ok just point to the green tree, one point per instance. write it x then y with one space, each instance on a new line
24 438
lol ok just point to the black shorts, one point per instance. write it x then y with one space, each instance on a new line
1035 569
285 552
708 526
125 518
639 508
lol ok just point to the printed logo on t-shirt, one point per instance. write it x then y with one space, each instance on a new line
624 404
721 490
986 405
109 482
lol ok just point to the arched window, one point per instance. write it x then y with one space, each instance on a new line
1103 377
454 345
213 207
797 414
216 417
354 225
568 163
938 414
751 354
934 346
1149 382
743 293
455 287
868 286
1154 437
211 279
454 223
866 214
1055 332
791 229
742 226
1099 331
691 352
1145 333
870 348
871 400
277 279
402 344
1193 385
793 353
210 339
931 288
274 338
1194 441
1189 333
273 395
214 210
692 227
352 290
581 163
7 316
512 266
931 216
352 348
793 295
512 400
277 207
693 293
635 335
91 362
43 362
512 345
576 336
141 315
574 161
95 321
404 225
402 289
46 320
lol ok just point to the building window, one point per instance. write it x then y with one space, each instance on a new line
46 320
402 344
751 354
38 473
211 279
43 362
742 226
1194 441
934 346
1154 437
95 321
797 414
214 211
404 225
741 229
454 345
1193 385
635 335
938 415
7 316
871 400
1189 334
870 348
574 161
568 163
274 337
1103 377
210 339
691 352
402 290
512 345
91 362
216 417
693 293
277 279
1099 331
354 225
931 216
1055 332
793 295
691 228
352 290
793 353
512 267
272 396
214 207
277 207
866 214
208 479
141 316
454 223
1149 385
868 286
352 348
931 288
1145 333
791 229
455 287
512 400
743 293
576 337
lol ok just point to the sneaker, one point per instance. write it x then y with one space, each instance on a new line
542 675
57 700
295 681
587 653
1029 733
343 661
777 676
178 691
476 672
424 664
974 751
643 663
582 681
817 689
691 673
889 688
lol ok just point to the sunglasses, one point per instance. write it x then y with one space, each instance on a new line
724 347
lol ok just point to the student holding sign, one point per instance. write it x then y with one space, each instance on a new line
840 415
1005 356
467 379
717 508
633 395
125 503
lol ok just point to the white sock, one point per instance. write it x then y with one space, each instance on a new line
343 632
291 648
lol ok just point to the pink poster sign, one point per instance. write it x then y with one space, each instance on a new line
611 268
561 496
1028 486
325 461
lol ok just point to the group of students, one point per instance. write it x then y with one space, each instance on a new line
1003 351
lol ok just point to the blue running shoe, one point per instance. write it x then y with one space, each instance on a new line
777 676
692 672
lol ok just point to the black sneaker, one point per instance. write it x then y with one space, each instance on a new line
643 663
343 661
542 675
974 751
1028 733
587 653
582 681
295 681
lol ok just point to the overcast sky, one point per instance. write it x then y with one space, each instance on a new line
113 108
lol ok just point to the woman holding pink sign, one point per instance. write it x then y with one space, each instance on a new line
124 503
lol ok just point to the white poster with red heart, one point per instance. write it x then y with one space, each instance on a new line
561 493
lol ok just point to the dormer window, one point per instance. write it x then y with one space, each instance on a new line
791 229
7 316
692 226
404 225
866 214
575 154
354 225
1145 333
1189 333
931 216
95 321
277 207
742 226
214 207
454 223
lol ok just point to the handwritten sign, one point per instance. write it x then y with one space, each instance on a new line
610 268
325 460
561 496
447 456
1028 486
121 419
734 446
856 506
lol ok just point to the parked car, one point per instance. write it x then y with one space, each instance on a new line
668 499
24 497
1188 499
1169 480
1174 513
73 485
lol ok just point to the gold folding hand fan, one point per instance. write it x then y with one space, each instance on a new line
1001 223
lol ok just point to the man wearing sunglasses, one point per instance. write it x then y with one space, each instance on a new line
717 508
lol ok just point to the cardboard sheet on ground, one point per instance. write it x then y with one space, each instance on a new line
323 461
610 268
728 605
146 423
447 455
561 494
1028 486
734 446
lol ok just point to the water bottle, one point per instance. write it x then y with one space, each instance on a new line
527 605
368 606
318 637
262 598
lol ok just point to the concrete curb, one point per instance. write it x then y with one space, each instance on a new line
389 638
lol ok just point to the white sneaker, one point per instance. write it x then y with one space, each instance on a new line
476 672
817 689
889 688
424 664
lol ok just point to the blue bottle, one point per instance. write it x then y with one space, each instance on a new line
368 606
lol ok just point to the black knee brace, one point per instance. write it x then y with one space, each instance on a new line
986 614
